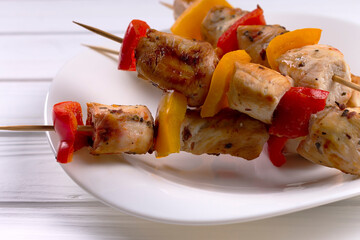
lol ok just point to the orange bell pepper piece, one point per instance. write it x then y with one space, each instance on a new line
170 115
189 23
219 86
290 40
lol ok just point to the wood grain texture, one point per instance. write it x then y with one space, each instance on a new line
39 57
38 200
30 173
111 15
93 220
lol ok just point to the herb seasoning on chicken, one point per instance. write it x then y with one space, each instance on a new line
229 132
254 39
314 66
256 90
334 139
120 128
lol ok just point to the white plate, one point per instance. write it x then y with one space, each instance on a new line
188 189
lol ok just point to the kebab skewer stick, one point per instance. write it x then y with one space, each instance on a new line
130 129
346 83
335 78
101 32
161 73
33 128
234 143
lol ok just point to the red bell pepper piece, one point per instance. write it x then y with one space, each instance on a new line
228 40
292 115
67 116
275 147
135 31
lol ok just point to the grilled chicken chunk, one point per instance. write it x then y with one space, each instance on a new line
119 129
254 39
180 6
314 66
174 63
217 21
229 132
354 101
256 90
333 140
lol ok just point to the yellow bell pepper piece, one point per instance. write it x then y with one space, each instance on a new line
290 40
189 23
170 115
219 86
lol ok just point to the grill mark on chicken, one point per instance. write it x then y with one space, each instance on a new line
175 63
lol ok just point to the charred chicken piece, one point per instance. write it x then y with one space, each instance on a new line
218 20
254 39
229 132
314 66
175 63
334 139
119 129
256 90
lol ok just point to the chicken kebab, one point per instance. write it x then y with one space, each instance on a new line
118 129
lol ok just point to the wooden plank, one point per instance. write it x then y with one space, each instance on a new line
29 171
22 102
57 16
41 56
93 220
112 15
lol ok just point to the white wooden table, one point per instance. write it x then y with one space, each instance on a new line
38 200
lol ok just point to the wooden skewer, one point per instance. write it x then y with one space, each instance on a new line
101 32
102 49
32 128
168 5
120 40
335 78
340 80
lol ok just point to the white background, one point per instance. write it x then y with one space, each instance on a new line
38 200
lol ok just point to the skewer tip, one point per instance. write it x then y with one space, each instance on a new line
100 32
77 23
